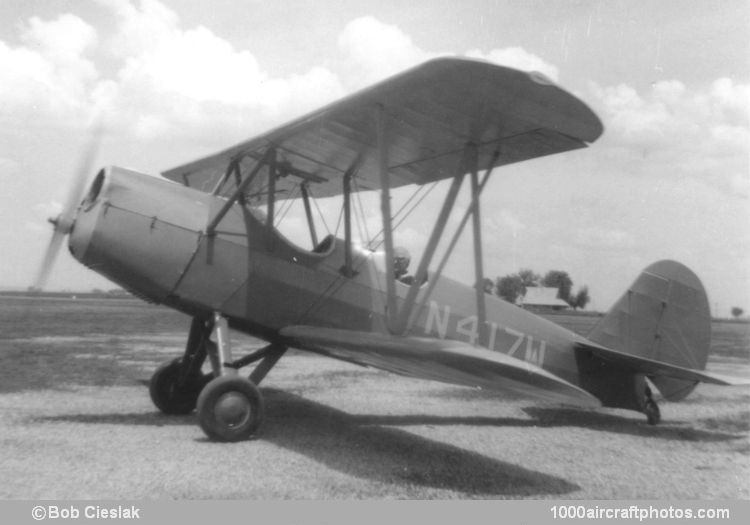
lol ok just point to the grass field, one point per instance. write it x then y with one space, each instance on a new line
76 422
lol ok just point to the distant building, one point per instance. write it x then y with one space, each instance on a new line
542 299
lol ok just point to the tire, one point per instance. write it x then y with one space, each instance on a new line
167 396
230 408
653 414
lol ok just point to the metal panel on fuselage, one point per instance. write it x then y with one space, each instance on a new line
139 252
140 232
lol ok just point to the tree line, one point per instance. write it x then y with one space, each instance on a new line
513 286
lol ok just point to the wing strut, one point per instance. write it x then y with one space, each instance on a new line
456 235
239 192
272 172
399 319
385 214
477 227
308 213
432 243
347 270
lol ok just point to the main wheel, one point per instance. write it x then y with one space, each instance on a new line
230 408
651 409
169 396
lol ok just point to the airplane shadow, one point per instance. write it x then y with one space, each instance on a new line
636 426
553 417
376 447
368 447
540 417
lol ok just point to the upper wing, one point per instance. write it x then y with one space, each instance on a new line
433 111
447 361
651 367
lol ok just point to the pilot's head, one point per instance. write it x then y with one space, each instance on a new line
401 260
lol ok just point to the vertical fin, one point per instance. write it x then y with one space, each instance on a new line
664 316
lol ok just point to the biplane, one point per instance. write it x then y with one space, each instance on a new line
203 238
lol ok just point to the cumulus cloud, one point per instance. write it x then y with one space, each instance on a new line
162 78
197 65
372 50
517 58
670 110
671 129
50 73
167 80
141 27
173 80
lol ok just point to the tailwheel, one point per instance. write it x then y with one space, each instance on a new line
172 396
651 409
230 408
653 415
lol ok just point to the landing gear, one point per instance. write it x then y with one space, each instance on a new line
230 408
175 385
651 409
173 395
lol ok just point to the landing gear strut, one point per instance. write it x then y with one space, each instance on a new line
651 409
229 407
175 385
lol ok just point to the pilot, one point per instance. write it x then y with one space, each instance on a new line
401 260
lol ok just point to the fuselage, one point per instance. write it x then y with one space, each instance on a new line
148 235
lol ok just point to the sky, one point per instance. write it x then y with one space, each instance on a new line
669 179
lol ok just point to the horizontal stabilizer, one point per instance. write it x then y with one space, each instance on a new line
441 360
652 368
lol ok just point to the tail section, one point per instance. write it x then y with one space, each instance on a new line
663 317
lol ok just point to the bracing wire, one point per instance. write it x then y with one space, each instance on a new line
338 222
258 194
320 213
362 216
360 222
337 283
377 240
415 205
287 204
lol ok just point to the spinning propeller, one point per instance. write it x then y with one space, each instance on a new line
63 223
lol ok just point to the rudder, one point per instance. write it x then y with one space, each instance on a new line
664 315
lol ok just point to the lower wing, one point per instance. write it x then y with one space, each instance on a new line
441 360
